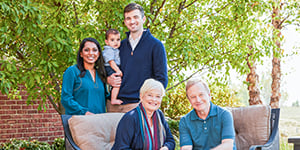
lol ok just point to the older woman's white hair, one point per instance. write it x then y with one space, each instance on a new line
151 84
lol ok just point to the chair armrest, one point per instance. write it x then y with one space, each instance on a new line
273 142
68 137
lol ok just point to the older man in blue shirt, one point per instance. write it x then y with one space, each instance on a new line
207 126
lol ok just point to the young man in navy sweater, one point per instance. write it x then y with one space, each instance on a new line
142 57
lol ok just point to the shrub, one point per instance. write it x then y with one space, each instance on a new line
175 103
58 144
14 144
174 127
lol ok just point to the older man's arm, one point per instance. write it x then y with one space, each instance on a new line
228 133
227 144
185 137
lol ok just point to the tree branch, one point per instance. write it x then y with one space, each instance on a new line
180 8
248 61
57 88
167 16
190 4
281 22
208 15
157 12
76 15
152 7
184 64
202 16
100 1
189 77
54 104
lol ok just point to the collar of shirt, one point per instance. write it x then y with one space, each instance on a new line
109 47
212 112
133 42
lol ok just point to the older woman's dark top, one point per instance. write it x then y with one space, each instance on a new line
129 135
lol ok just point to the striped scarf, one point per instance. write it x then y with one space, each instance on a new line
150 141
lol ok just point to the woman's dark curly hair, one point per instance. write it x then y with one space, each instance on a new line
99 64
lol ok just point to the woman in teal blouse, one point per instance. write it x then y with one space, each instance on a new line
83 88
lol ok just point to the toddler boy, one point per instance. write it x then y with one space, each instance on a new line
112 60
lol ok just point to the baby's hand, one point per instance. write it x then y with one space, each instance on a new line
120 73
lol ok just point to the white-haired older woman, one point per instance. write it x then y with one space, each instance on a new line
145 126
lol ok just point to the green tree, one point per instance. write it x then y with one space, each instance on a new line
283 14
39 39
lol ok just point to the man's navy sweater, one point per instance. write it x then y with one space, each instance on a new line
148 60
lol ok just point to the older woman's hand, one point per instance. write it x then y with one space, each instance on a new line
164 148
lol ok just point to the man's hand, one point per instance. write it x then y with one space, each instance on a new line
114 80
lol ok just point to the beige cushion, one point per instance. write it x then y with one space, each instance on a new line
92 132
252 125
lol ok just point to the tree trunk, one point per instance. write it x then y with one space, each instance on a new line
276 75
276 71
253 79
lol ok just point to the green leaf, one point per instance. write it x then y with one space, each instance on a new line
48 41
43 62
55 64
37 78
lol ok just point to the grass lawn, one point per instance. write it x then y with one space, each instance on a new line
289 125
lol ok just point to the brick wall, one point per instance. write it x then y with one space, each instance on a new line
21 121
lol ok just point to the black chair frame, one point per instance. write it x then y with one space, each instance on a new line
69 143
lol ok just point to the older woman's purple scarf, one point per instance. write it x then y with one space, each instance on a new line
151 141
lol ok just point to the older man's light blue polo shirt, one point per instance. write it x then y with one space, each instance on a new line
208 133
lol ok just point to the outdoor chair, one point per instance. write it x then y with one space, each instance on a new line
256 128
90 132
273 142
